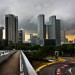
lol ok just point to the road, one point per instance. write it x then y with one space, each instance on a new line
61 68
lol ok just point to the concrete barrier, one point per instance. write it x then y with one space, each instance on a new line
27 67
4 56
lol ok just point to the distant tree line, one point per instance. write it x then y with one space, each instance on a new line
40 52
66 50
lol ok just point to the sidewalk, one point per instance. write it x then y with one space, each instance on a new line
11 66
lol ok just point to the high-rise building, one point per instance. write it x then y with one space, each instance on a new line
65 40
21 36
34 39
54 29
11 28
64 36
31 36
74 41
51 27
58 33
41 29
1 35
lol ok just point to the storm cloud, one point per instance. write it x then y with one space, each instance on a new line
28 10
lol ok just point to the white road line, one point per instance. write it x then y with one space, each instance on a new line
70 70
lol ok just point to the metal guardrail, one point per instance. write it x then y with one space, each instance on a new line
26 66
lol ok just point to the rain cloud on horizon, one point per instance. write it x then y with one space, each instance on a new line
28 10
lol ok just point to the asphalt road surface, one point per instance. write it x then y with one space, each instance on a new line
63 68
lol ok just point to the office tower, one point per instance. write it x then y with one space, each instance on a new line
1 35
31 36
21 36
41 29
54 30
34 39
58 33
74 41
64 36
51 27
11 28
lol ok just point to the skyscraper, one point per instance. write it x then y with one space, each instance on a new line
21 36
1 34
58 33
34 39
54 29
31 36
11 28
41 29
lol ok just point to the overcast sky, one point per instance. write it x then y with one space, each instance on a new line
28 10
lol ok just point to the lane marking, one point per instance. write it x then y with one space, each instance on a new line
70 70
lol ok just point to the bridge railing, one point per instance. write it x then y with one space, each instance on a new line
25 66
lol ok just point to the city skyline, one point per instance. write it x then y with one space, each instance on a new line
70 37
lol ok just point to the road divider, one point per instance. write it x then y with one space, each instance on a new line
38 69
6 56
49 63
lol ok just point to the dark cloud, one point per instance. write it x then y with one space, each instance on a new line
28 25
28 10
